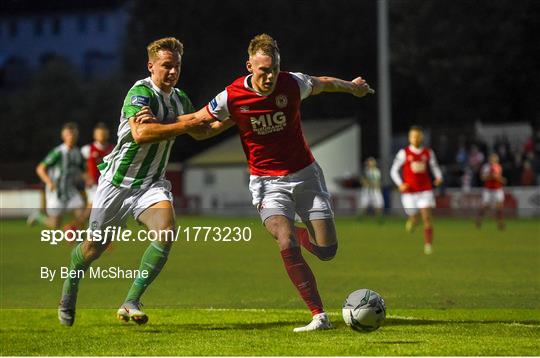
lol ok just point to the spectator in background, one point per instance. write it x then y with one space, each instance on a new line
528 176
462 156
475 160
371 196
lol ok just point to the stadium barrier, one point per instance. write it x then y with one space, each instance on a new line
519 201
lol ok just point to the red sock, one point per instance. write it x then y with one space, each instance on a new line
428 235
303 239
302 278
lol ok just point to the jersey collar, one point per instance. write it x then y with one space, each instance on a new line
416 150
248 85
159 90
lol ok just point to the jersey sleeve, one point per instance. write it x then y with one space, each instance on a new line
485 170
218 107
137 97
85 151
304 82
52 158
435 169
399 160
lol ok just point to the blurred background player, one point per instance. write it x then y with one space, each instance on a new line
62 172
414 183
285 179
371 195
132 181
94 154
492 193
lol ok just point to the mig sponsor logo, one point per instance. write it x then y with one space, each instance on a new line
268 123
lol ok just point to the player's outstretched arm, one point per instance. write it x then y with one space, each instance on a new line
212 130
146 129
357 87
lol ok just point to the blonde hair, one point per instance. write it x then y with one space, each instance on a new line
167 44
263 43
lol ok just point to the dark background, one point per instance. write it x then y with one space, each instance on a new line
452 63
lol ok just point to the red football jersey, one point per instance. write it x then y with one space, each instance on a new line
492 170
269 126
94 155
416 170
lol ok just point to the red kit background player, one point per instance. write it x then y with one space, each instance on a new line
493 193
414 183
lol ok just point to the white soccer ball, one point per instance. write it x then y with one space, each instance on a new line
364 310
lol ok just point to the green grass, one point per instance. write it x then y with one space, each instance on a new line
478 294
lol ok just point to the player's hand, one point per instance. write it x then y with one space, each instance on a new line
403 187
51 186
437 181
145 115
361 87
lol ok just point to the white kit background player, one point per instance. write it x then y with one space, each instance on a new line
371 195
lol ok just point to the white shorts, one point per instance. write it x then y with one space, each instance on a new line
112 205
371 198
303 192
492 196
56 207
412 202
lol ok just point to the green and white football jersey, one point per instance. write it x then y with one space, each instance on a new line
136 166
65 167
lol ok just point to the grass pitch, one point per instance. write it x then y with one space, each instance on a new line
478 294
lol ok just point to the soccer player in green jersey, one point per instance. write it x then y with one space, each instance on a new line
132 177
62 173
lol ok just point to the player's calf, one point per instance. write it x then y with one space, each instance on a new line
324 253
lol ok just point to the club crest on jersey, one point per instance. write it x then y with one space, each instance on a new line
140 100
281 101
244 108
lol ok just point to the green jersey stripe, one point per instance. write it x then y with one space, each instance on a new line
164 158
125 162
143 170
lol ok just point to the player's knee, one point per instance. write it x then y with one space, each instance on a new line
94 249
326 253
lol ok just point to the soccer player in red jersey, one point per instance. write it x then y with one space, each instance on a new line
493 193
94 154
285 178
415 183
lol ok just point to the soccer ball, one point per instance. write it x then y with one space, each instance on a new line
364 310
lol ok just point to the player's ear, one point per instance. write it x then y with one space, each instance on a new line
150 65
249 66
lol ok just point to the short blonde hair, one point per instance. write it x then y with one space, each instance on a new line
263 43
166 44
